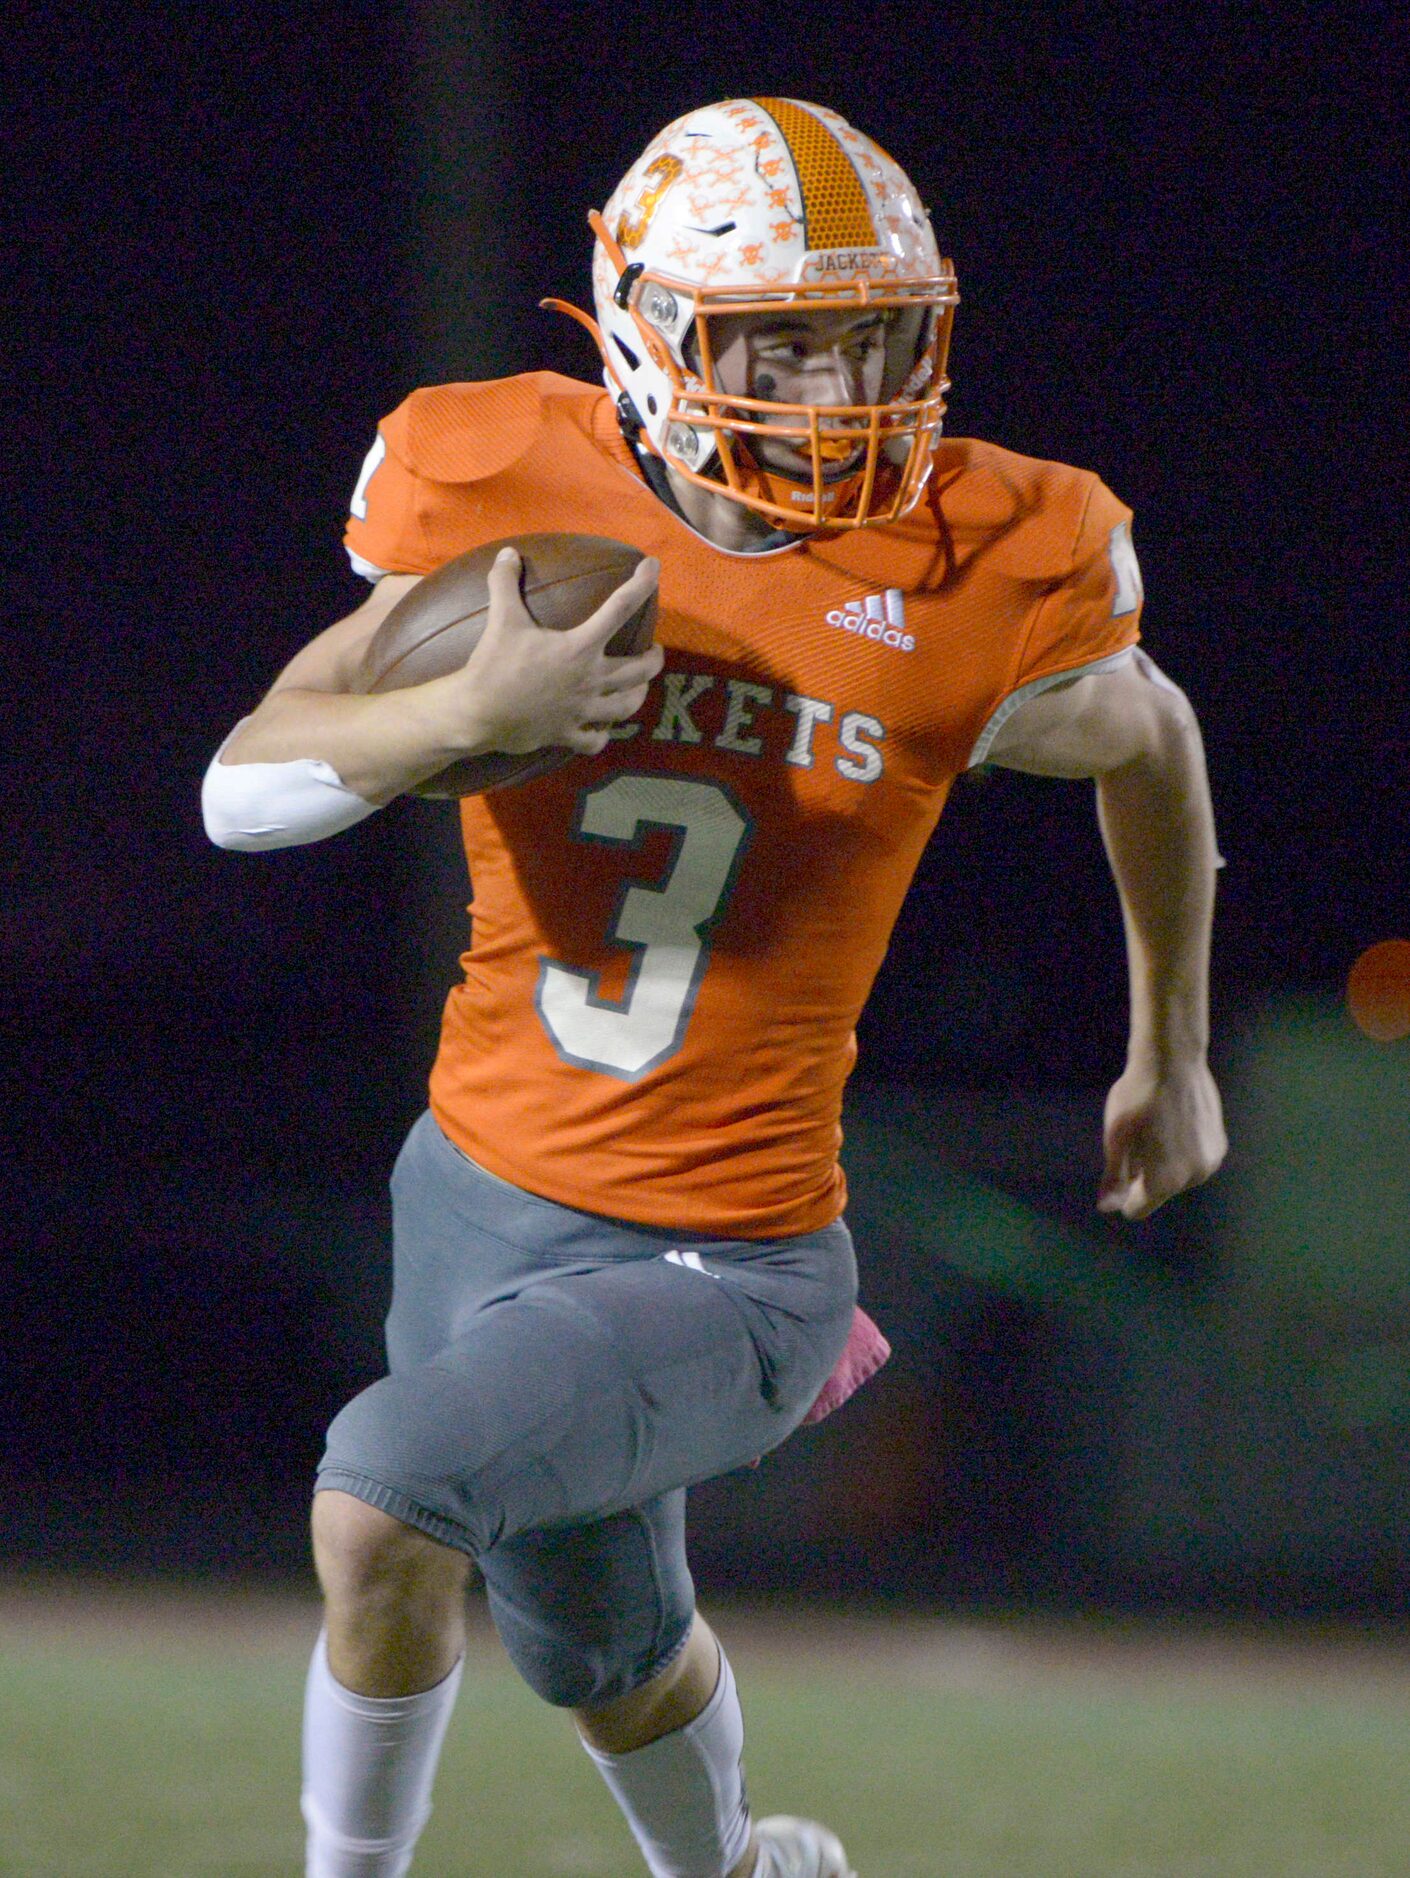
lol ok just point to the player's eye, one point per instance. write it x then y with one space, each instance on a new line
784 351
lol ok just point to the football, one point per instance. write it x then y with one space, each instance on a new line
435 628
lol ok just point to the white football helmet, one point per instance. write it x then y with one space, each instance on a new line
746 207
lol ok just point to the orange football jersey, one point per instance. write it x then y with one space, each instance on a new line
672 941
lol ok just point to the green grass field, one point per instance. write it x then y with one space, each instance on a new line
151 1737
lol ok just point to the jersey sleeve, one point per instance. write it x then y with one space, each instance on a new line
1088 618
426 453
382 534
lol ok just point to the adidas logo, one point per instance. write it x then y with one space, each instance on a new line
880 616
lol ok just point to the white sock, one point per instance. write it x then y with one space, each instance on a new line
683 1796
368 1766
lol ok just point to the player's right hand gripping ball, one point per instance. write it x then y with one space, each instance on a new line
434 629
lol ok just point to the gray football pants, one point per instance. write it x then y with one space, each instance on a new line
557 1381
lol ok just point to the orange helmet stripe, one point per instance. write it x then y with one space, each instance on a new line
835 211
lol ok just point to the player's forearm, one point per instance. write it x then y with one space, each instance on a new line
1158 826
379 744
311 764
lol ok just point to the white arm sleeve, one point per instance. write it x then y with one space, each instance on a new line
254 806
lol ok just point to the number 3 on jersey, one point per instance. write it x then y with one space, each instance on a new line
667 926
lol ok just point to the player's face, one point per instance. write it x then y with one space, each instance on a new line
820 360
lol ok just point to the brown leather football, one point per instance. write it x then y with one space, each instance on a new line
433 630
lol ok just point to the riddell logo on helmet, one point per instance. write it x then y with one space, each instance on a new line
880 616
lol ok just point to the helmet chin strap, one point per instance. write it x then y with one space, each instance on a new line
777 485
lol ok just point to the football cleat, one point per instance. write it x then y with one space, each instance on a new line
773 208
799 1848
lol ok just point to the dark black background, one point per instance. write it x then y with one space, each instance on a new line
1179 233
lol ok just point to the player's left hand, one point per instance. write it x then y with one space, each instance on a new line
1163 1132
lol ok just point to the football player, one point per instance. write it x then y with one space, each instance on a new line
620 1262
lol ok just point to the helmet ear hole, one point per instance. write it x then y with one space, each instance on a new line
633 362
